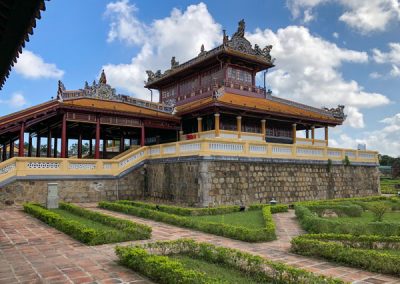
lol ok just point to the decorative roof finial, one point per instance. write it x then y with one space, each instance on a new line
60 90
202 50
174 63
225 38
103 79
241 29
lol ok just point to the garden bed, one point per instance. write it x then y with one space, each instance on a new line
388 185
89 227
212 221
373 253
354 216
186 261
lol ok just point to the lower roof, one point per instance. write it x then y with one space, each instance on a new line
262 106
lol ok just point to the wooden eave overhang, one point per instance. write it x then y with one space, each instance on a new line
17 21
200 62
260 106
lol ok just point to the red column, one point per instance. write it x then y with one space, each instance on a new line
21 147
142 137
37 145
80 146
55 147
64 136
30 146
121 144
11 148
4 152
97 145
49 144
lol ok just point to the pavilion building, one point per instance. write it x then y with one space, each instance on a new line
209 107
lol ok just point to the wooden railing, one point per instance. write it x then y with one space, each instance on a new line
26 167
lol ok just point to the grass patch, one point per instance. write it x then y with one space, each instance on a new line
89 227
368 217
249 219
373 253
245 226
388 185
220 272
187 261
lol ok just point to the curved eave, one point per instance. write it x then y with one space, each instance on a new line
17 21
204 60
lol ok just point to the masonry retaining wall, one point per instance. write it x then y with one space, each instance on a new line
197 181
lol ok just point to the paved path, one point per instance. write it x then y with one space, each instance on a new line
32 252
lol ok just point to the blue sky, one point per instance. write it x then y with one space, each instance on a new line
328 52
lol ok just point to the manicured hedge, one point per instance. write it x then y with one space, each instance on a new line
152 261
86 234
310 222
278 208
225 230
351 210
183 211
137 231
363 252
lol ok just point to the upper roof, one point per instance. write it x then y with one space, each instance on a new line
17 20
268 106
238 47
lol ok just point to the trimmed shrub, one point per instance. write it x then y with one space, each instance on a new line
351 210
225 230
127 230
136 231
364 252
168 271
183 211
278 208
310 222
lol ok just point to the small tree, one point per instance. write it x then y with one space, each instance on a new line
346 161
396 168
379 210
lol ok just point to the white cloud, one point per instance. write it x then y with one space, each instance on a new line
364 16
391 57
308 72
386 139
375 75
335 35
181 35
32 66
16 101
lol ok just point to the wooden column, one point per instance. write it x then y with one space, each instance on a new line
313 134
105 142
80 146
142 137
180 133
37 145
64 137
239 126
21 151
11 148
307 133
49 144
4 151
199 124
216 124
97 145
30 145
294 134
121 144
90 147
326 135
55 147
263 129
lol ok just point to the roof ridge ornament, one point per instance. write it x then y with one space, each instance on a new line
337 112
60 90
103 79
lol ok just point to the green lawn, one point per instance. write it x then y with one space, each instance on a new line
249 219
387 185
87 222
222 273
368 217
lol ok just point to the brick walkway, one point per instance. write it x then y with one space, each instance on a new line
32 252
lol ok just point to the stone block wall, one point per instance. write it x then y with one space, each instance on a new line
195 181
